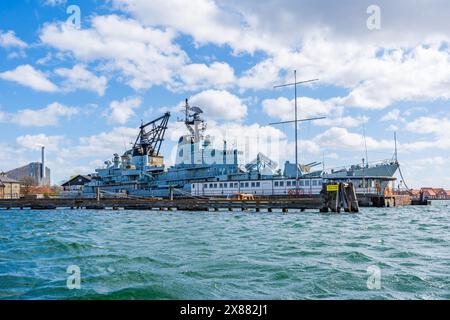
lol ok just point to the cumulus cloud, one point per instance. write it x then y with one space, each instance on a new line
8 39
374 76
284 109
101 145
341 52
393 115
80 78
341 139
437 131
48 116
34 142
121 111
220 104
199 76
54 3
145 56
217 26
28 76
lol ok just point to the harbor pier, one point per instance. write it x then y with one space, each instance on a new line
335 197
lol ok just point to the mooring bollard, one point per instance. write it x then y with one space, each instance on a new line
339 196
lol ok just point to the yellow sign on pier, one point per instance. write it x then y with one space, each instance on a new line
332 187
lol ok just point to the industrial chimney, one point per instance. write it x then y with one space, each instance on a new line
43 164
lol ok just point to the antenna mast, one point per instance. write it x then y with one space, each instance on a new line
295 83
395 152
365 143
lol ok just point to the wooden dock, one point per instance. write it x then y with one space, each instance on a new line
334 198
177 204
394 200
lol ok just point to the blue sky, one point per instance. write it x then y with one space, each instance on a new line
82 92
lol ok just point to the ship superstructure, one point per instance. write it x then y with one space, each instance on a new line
201 169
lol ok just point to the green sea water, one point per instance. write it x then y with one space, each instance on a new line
226 255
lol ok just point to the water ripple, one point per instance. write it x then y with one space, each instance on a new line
226 255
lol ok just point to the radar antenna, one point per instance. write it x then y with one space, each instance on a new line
194 123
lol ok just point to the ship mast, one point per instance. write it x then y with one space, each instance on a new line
295 83
395 142
194 123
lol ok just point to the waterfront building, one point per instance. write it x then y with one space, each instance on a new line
9 188
32 170
76 183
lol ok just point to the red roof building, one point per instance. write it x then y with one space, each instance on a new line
428 193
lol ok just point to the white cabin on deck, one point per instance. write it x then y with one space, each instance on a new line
272 187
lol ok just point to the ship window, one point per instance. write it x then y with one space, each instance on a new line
246 184
215 185
301 183
225 185
205 186
193 186
211 185
307 183
236 185
288 183
276 183
253 184
258 184
281 183
294 183
314 182
180 153
220 185
242 184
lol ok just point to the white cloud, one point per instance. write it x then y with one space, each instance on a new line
102 145
439 129
341 52
121 111
199 76
392 127
54 3
217 25
427 125
26 75
248 25
145 56
219 104
284 109
341 139
35 142
8 39
80 78
374 76
48 116
393 115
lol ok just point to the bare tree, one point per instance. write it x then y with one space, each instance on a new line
26 184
